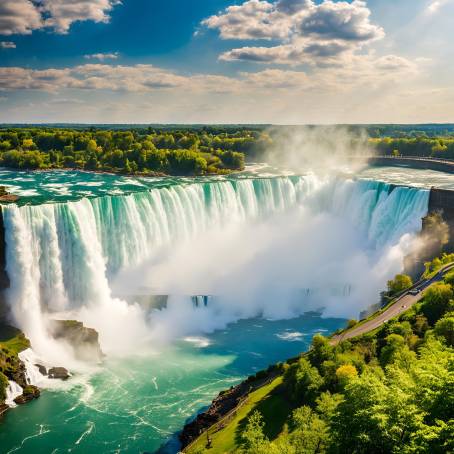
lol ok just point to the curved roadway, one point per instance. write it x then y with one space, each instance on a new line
404 302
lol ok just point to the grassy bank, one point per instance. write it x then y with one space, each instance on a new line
12 342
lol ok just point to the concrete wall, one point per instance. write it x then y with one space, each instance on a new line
416 163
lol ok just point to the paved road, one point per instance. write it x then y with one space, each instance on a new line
401 305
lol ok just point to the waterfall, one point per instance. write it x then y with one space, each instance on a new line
61 256
13 390
32 373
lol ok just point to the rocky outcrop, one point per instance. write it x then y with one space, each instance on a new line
3 408
30 392
83 340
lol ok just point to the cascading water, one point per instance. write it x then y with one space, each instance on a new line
13 390
62 257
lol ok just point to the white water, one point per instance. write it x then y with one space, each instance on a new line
32 373
64 257
12 391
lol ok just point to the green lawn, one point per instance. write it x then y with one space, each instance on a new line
13 339
268 400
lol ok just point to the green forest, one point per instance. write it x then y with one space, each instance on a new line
131 151
182 151
388 391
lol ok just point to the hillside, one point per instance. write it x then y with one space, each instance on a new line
387 391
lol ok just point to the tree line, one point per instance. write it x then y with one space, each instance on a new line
190 151
130 151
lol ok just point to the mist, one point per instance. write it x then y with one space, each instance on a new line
279 268
273 247
320 149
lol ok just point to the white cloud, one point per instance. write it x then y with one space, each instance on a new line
62 13
435 5
23 16
7 45
308 32
254 19
136 78
19 17
102 57
355 70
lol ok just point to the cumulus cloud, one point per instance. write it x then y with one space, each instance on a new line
24 16
368 70
7 45
136 78
102 57
19 17
62 13
254 19
308 32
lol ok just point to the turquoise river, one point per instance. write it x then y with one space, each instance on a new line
192 284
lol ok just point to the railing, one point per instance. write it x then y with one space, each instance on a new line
414 158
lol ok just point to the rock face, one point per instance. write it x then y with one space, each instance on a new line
30 392
59 373
84 341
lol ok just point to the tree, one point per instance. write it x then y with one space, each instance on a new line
92 146
303 381
394 343
345 373
310 433
253 438
400 283
437 301
321 350
445 328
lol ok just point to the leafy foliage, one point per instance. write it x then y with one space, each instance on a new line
389 391
145 151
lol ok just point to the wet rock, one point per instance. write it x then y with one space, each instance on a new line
29 393
3 408
42 369
59 373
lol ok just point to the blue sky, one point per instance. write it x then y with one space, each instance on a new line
224 61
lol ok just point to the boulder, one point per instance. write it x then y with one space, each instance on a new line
42 369
58 373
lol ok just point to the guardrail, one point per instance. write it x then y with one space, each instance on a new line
414 158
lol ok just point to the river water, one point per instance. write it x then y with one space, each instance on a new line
289 224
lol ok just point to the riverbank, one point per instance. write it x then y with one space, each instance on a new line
22 373
223 435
